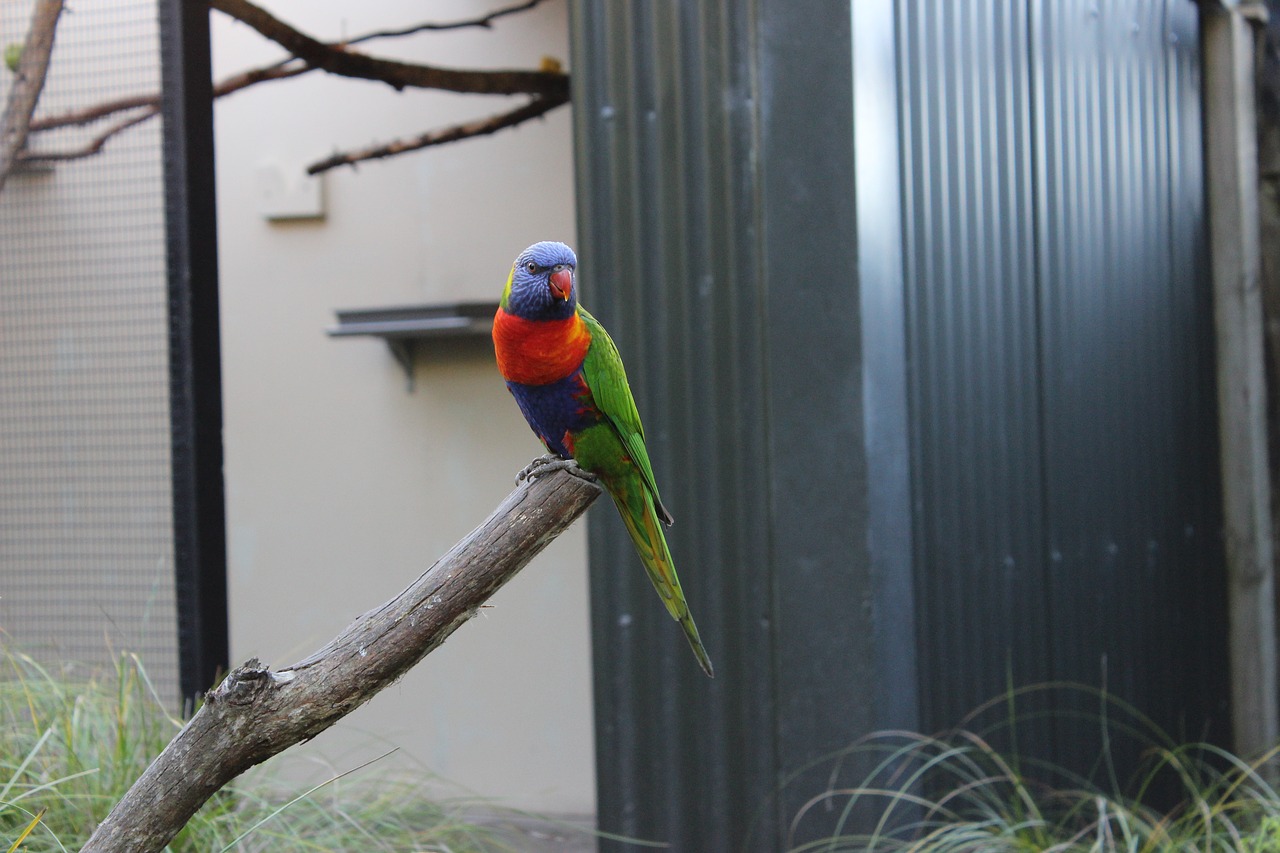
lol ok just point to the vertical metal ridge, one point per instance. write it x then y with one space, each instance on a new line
668 174
969 286
716 219
1057 388
1108 322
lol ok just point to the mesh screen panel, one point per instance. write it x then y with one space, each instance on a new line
86 552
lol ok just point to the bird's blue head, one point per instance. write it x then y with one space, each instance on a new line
542 285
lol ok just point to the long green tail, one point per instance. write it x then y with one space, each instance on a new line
635 505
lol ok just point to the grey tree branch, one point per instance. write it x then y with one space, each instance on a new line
256 712
483 22
151 102
28 81
455 133
143 107
399 75
284 69
94 145
548 85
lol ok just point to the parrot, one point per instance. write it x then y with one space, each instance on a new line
568 380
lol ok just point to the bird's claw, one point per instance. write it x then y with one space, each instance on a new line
548 463
527 471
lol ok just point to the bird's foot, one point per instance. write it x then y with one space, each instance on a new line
549 463
544 459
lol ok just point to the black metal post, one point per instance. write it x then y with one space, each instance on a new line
195 375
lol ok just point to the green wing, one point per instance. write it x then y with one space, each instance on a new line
607 380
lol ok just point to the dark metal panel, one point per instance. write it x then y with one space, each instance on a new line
195 371
1128 401
1203 606
666 146
828 604
717 224
1062 403
972 314
732 239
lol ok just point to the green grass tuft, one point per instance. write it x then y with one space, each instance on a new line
71 747
956 793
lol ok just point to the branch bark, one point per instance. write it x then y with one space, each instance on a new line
256 712
548 86
483 22
151 102
284 69
399 75
144 107
28 81
456 133
93 146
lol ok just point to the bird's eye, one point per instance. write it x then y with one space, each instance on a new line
531 267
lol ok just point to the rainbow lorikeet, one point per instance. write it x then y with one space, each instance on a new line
567 377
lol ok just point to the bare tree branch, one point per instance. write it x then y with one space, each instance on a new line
94 145
469 130
88 115
256 713
28 81
150 105
487 82
282 70
245 79
485 21
396 74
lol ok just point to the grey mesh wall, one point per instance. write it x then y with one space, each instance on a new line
86 551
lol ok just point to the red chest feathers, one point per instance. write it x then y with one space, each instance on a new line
537 352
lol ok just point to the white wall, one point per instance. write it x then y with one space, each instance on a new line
342 487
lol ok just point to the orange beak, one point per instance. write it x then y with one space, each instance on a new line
562 284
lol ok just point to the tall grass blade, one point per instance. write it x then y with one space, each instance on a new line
304 795
30 829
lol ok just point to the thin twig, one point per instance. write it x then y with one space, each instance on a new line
28 81
94 145
396 74
485 21
88 115
279 71
470 130
234 83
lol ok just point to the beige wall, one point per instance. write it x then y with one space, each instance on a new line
342 486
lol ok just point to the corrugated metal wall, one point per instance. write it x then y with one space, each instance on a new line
1129 401
970 252
1059 330
699 182
1037 304
668 267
